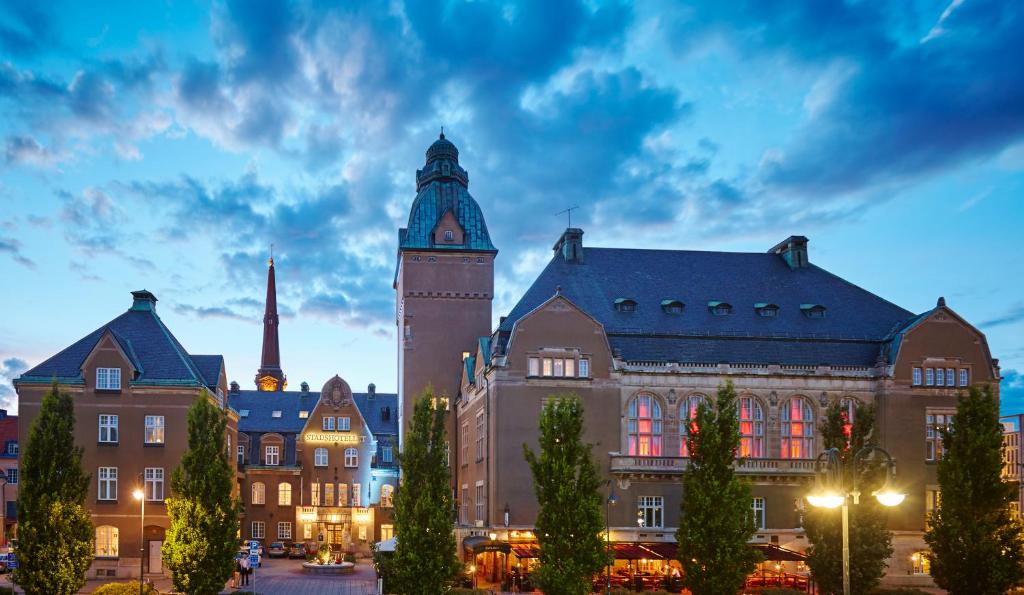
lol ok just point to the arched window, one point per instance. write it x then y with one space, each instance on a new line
688 421
351 457
284 494
320 457
921 563
387 494
259 493
797 429
751 417
106 541
645 426
848 408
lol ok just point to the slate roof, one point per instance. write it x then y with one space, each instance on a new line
156 353
261 406
371 410
855 326
209 367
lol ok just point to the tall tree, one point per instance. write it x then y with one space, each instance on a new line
424 561
565 480
870 539
201 542
54 528
976 544
716 519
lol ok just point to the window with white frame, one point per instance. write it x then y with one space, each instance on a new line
751 418
479 501
449 235
106 541
284 530
342 494
387 494
964 376
651 511
917 377
272 455
108 428
688 421
320 457
533 366
386 454
559 367
107 487
465 443
154 429
464 508
357 494
480 436
258 530
351 457
797 429
259 493
387 532
935 422
12 447
108 378
940 377
929 377
584 367
344 424
328 423
950 377
12 476
314 494
757 506
154 478
645 426
570 368
546 367
328 494
284 494
241 454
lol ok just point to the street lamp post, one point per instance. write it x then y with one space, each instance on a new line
831 492
141 497
608 503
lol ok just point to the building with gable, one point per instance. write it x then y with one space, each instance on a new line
132 384
9 477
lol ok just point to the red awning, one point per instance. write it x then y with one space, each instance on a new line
631 551
525 550
779 554
661 550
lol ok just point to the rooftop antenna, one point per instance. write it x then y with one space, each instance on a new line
568 213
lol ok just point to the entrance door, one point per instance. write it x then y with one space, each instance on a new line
155 561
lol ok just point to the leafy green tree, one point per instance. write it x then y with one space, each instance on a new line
870 539
201 542
55 530
424 562
716 519
976 544
565 480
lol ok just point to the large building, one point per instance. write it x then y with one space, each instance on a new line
314 467
643 336
132 384
1013 456
9 475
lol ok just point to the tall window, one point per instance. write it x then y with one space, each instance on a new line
797 429
645 426
931 502
940 377
929 377
848 408
464 508
584 368
387 494
12 476
357 494
284 494
154 477
241 454
259 493
480 501
921 563
154 429
449 235
950 377
258 530
757 506
272 455
533 367
547 367
108 428
344 424
917 377
934 424
320 457
107 477
386 454
342 494
387 532
964 376
465 443
284 530
328 494
106 541
480 436
751 427
328 423
688 421
651 512
351 457
108 378
12 447
314 494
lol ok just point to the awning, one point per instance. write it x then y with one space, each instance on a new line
661 550
526 550
779 554
478 544
630 551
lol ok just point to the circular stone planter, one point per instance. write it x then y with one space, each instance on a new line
343 568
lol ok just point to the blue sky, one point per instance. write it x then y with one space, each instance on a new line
167 145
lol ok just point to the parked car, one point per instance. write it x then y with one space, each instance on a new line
277 550
297 550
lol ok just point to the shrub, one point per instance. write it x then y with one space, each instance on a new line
350 558
124 589
899 591
777 591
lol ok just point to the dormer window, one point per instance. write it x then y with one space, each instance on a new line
449 235
672 306
813 310
276 414
108 378
243 413
303 414
766 310
625 305
720 308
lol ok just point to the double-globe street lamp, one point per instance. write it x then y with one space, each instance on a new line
831 491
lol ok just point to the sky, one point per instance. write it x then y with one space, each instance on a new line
167 145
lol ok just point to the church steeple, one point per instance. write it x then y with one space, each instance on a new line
270 377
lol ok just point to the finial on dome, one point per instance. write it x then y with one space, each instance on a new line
442 133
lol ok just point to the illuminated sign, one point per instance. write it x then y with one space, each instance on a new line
348 438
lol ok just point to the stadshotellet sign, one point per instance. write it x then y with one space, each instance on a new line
331 437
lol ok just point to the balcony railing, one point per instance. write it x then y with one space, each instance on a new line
675 465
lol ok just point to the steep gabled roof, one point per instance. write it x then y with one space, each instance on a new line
210 367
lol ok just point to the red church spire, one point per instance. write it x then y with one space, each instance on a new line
270 377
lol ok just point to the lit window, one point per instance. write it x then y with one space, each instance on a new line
480 436
357 494
314 494
922 564
651 512
387 494
259 493
303 414
757 505
917 377
797 429
351 457
154 477
387 532
344 424
108 429
465 444
320 457
570 368
964 376
547 366
284 530
328 423
479 500
940 377
931 503
258 530
935 422
584 368
284 494
108 378
533 369
645 422
342 494
559 368
154 429
272 455
751 427
950 377
107 487
106 541
688 421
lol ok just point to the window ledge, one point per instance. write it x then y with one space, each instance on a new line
98 501
153 444
106 558
107 444
107 391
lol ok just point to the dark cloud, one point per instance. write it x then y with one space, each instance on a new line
27 150
12 247
28 29
1014 314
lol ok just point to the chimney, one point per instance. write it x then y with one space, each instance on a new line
371 390
305 387
794 251
143 301
234 387
570 245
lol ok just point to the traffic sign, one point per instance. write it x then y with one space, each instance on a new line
12 561
254 559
